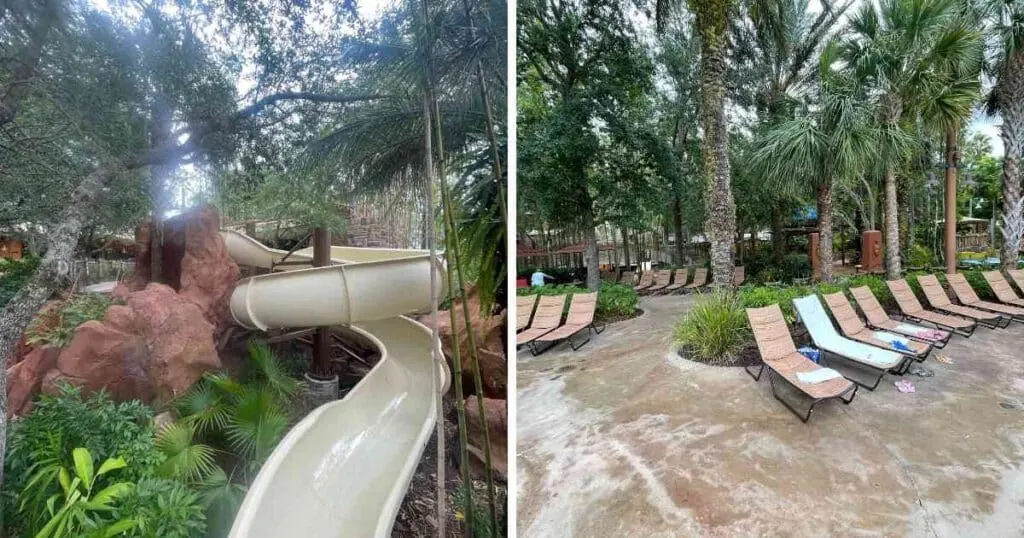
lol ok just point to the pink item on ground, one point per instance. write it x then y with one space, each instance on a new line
905 386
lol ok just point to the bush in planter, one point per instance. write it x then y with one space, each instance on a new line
715 329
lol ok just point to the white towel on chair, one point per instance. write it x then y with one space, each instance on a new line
820 375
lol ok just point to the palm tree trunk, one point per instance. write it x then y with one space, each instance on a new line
949 230
1011 106
825 230
892 228
712 25
677 227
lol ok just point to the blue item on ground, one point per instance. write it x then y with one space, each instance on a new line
813 354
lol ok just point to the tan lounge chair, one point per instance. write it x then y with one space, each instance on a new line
739 276
524 310
646 281
546 319
1003 290
967 296
853 328
779 354
937 297
1017 275
661 281
627 278
700 280
877 318
912 310
679 281
580 318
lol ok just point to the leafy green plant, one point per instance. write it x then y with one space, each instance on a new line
163 509
59 424
920 256
13 275
57 328
83 510
613 301
715 329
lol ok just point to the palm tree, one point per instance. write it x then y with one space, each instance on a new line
712 24
899 50
829 144
1004 30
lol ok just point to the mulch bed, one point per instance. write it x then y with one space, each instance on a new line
748 356
617 318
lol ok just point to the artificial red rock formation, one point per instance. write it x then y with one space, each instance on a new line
490 347
208 273
25 378
153 348
496 416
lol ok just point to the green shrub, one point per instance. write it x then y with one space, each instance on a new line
57 328
59 424
613 301
920 256
162 509
794 266
13 275
715 329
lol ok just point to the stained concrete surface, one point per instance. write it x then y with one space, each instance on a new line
625 438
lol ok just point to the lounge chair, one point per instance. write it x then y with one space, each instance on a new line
1003 290
680 280
936 296
700 280
911 309
853 328
877 318
825 338
626 278
1017 275
968 297
661 281
546 319
739 276
580 318
779 354
646 281
524 310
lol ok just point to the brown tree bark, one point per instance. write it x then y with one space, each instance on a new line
590 250
1010 98
825 255
949 229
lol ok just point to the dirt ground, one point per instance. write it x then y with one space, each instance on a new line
625 438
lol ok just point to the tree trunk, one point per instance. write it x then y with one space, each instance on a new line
53 273
903 203
721 209
639 251
778 235
892 228
625 245
825 257
161 126
590 251
677 227
1011 106
949 230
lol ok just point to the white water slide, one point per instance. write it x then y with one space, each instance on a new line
344 469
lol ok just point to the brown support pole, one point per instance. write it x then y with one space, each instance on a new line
950 224
322 338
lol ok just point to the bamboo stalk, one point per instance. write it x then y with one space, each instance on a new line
452 241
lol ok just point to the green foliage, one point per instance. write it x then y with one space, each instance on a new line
13 275
83 512
715 329
57 327
162 509
59 424
920 256
481 516
613 301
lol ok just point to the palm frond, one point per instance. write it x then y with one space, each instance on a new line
185 459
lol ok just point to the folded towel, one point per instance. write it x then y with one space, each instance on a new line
820 375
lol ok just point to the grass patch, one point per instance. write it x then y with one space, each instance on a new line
715 330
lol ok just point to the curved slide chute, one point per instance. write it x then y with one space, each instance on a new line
344 469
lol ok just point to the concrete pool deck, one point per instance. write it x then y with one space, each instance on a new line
625 438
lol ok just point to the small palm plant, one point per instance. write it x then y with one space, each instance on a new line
228 423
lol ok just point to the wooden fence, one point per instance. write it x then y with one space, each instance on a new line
85 272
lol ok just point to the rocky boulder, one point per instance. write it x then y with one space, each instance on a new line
152 348
208 273
496 418
488 334
25 378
